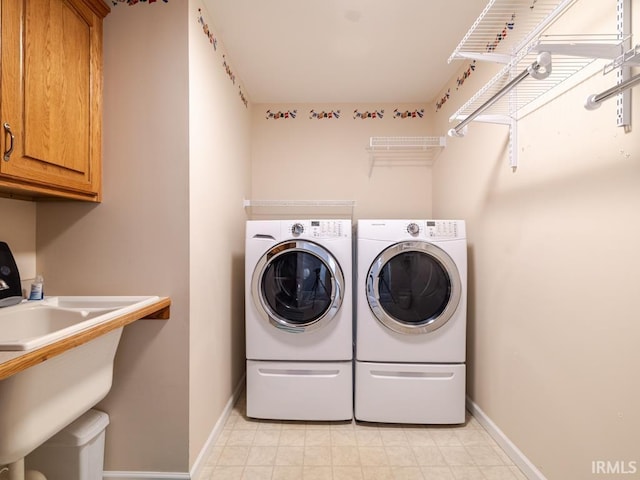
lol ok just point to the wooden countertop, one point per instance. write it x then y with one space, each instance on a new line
13 362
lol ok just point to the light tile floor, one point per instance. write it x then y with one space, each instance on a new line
249 449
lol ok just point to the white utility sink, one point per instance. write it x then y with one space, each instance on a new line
38 402
32 324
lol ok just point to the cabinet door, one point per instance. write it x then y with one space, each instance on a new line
51 96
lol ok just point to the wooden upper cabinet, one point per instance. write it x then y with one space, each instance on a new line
51 98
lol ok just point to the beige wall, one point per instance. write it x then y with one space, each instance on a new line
553 283
219 180
171 223
553 247
18 230
136 241
325 159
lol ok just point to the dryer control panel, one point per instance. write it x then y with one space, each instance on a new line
319 228
434 229
394 230
441 229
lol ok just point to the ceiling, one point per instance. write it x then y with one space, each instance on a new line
342 51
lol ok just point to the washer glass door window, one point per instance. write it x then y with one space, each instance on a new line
298 286
413 287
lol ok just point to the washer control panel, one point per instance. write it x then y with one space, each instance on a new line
319 228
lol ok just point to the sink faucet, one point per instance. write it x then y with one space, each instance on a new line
3 285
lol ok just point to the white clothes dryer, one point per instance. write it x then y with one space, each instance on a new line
298 318
411 321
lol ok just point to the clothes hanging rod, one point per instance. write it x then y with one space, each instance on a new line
539 69
593 101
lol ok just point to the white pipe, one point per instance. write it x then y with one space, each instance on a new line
16 470
34 475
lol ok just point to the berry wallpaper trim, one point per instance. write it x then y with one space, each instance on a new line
133 2
213 40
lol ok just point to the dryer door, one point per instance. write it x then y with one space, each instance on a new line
298 286
413 287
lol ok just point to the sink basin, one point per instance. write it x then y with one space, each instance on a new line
38 402
34 324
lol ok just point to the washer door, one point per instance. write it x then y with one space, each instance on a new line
298 286
413 287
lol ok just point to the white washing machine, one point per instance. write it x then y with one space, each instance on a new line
411 321
299 319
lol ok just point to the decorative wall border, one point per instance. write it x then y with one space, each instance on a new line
322 115
279 114
443 100
225 63
133 2
243 97
466 74
205 28
367 114
227 68
336 114
459 82
408 114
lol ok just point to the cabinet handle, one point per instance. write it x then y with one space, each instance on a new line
7 153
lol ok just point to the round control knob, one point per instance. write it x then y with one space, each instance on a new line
297 229
413 229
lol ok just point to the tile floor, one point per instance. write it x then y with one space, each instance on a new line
249 449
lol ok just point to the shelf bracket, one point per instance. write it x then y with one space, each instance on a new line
622 65
623 102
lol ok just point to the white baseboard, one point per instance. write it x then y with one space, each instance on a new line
514 453
207 448
199 464
108 475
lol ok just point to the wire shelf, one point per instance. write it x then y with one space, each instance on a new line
628 58
288 209
537 68
404 151
405 143
505 26
300 203
567 60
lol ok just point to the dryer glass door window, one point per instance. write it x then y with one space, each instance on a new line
298 286
413 287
